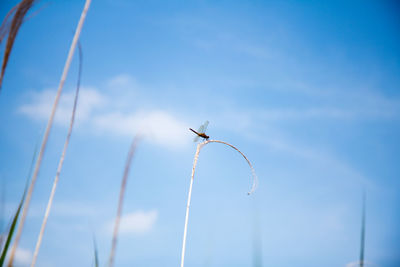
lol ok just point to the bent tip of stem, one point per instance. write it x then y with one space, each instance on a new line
253 172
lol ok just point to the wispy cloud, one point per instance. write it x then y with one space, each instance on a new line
310 106
312 154
333 104
330 113
123 80
111 111
138 222
203 34
40 105
240 46
63 209
157 125
23 257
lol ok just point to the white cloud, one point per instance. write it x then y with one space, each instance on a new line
110 112
23 257
41 105
122 81
89 100
158 126
138 222
73 209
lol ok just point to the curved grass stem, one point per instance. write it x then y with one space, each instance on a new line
196 156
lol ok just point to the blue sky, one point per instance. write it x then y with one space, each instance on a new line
308 90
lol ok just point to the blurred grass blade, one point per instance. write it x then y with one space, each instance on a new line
60 164
12 29
362 246
16 216
11 231
47 132
2 216
96 254
121 199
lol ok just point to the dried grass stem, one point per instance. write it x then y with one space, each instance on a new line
19 12
60 164
121 200
47 132
196 156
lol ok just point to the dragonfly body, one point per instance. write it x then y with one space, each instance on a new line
203 135
201 132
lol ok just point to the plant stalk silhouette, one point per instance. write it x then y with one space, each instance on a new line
60 164
196 156
47 132
121 199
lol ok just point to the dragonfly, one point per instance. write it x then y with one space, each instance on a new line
201 132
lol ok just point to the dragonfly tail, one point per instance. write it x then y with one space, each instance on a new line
193 131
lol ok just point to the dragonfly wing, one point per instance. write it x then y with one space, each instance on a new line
203 127
196 138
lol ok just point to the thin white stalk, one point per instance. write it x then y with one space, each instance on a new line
121 200
60 164
47 132
196 156
253 172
